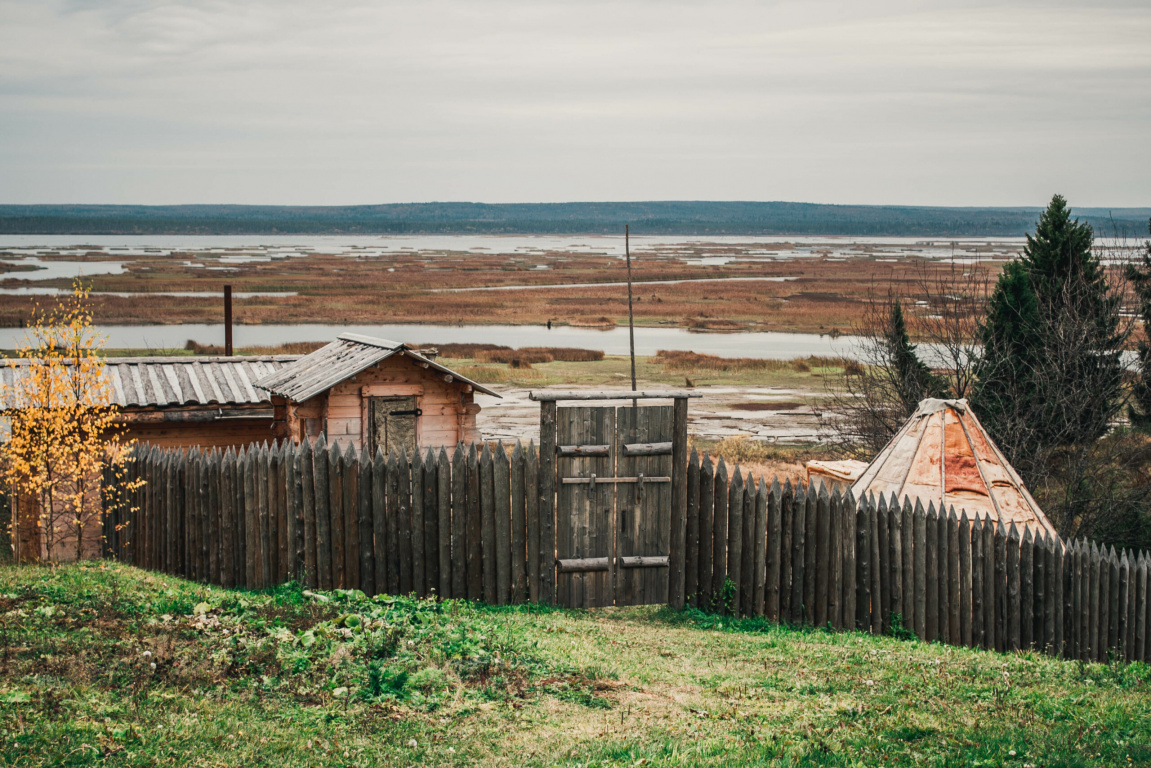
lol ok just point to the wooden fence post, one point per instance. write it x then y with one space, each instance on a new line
459 523
488 525
978 632
395 504
965 579
747 565
848 509
519 558
759 561
719 543
934 569
501 510
679 493
810 550
416 512
822 556
735 539
798 547
1013 597
547 501
365 520
863 595
953 602
706 530
474 535
1026 589
835 561
431 530
691 540
532 513
381 565
771 592
881 567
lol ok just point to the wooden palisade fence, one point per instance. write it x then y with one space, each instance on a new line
469 525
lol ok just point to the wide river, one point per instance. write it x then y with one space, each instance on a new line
648 341
213 251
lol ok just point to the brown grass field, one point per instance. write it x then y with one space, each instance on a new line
822 293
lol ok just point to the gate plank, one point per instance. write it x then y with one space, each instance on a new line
547 512
677 555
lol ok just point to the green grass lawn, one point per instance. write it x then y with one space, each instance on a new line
108 665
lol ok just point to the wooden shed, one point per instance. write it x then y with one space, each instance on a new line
182 402
374 393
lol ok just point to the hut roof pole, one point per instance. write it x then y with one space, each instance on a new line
630 314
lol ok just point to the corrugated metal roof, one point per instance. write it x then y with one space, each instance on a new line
159 381
349 354
943 454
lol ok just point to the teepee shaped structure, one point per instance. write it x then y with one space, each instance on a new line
943 455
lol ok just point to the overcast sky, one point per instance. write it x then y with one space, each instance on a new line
293 102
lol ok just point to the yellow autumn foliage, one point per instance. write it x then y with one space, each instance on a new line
63 428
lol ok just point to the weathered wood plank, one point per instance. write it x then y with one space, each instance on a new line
978 638
431 530
1014 611
953 603
759 558
895 572
416 510
336 513
822 556
474 535
518 556
444 523
1026 589
365 521
735 494
395 505
719 544
863 566
678 542
881 567
786 532
380 520
404 505
488 525
459 523
798 556
774 537
532 516
706 530
691 536
934 568
501 510
847 544
547 510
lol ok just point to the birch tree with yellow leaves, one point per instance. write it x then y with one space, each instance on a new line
62 428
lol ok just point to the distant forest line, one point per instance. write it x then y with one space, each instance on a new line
648 218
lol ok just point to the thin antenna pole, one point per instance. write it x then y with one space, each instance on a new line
630 314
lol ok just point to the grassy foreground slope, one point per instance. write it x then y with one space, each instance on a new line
108 665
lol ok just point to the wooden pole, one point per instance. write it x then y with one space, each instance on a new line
630 314
228 320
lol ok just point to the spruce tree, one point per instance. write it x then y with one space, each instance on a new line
1140 277
913 380
1050 372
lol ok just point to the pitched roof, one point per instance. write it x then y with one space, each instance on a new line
157 381
349 354
943 455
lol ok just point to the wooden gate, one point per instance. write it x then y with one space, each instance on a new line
619 476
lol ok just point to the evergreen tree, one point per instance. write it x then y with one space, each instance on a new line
913 380
1140 277
1050 372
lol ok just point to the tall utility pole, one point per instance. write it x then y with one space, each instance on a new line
630 315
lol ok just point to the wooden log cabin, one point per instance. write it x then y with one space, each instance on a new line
374 393
360 390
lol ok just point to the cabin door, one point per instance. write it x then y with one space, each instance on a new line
393 424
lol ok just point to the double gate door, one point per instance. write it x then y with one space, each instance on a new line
613 511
